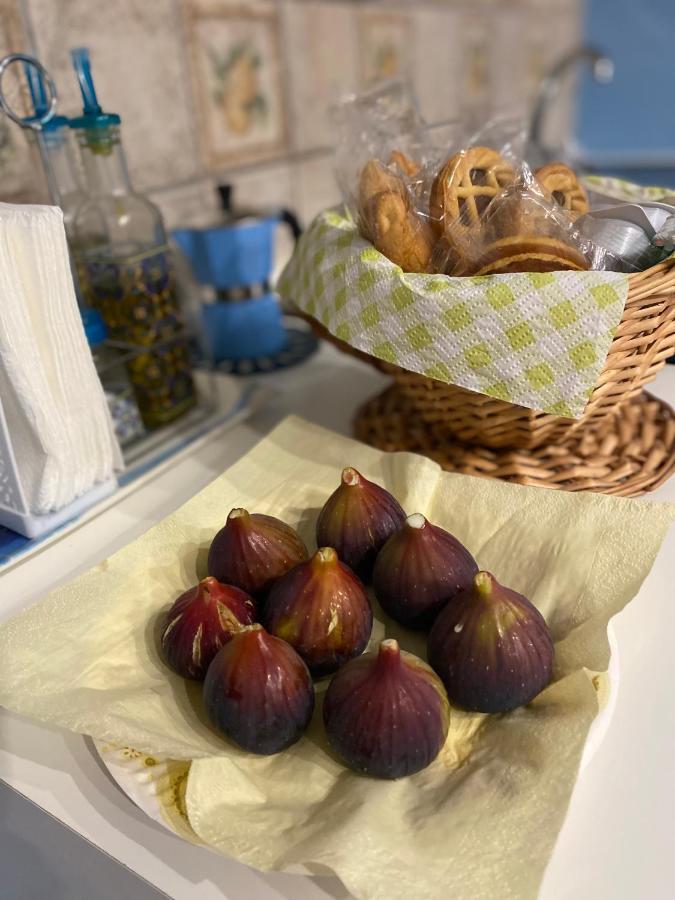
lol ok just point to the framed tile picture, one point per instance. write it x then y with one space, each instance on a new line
384 44
236 73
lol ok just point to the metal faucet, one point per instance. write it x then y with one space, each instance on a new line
602 69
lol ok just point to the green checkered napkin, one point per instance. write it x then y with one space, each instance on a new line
537 340
626 191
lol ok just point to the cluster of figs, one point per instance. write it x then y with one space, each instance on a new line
269 618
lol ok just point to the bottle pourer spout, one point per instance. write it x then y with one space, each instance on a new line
82 64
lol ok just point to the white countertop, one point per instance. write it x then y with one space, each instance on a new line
616 843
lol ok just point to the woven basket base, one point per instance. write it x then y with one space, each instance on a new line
629 454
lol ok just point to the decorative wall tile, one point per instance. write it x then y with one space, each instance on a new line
510 63
194 204
315 187
321 55
197 203
538 55
139 65
547 7
549 29
21 178
385 45
262 76
437 63
235 59
264 186
476 54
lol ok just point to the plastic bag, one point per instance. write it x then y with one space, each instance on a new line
518 227
369 126
434 200
387 214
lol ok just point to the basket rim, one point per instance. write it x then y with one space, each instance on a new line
645 289
663 273
662 267
633 277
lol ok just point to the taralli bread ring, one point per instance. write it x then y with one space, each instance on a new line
562 184
527 254
464 187
398 233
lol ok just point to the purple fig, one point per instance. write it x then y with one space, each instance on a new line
491 648
252 550
320 607
356 520
200 621
386 713
258 692
419 570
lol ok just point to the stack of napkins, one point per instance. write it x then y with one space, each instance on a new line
61 435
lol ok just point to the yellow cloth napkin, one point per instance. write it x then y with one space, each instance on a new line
481 821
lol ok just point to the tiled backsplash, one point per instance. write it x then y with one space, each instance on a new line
239 90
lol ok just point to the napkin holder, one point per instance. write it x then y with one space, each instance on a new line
15 511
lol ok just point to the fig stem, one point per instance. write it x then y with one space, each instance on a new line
482 581
350 476
389 655
237 513
206 585
417 520
325 555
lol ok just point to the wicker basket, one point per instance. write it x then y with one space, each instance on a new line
644 339
630 453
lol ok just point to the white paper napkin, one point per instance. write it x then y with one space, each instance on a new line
59 425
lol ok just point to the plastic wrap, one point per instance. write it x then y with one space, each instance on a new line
389 216
518 227
381 167
437 200
369 127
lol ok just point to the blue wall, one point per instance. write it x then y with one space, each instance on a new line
631 122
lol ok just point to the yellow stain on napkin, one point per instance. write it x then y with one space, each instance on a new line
481 821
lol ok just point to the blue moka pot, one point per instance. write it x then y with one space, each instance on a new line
235 258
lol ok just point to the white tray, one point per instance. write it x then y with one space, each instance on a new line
234 399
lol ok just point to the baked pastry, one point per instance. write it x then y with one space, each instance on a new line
388 219
532 253
376 178
464 187
562 184
521 211
396 231
408 166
